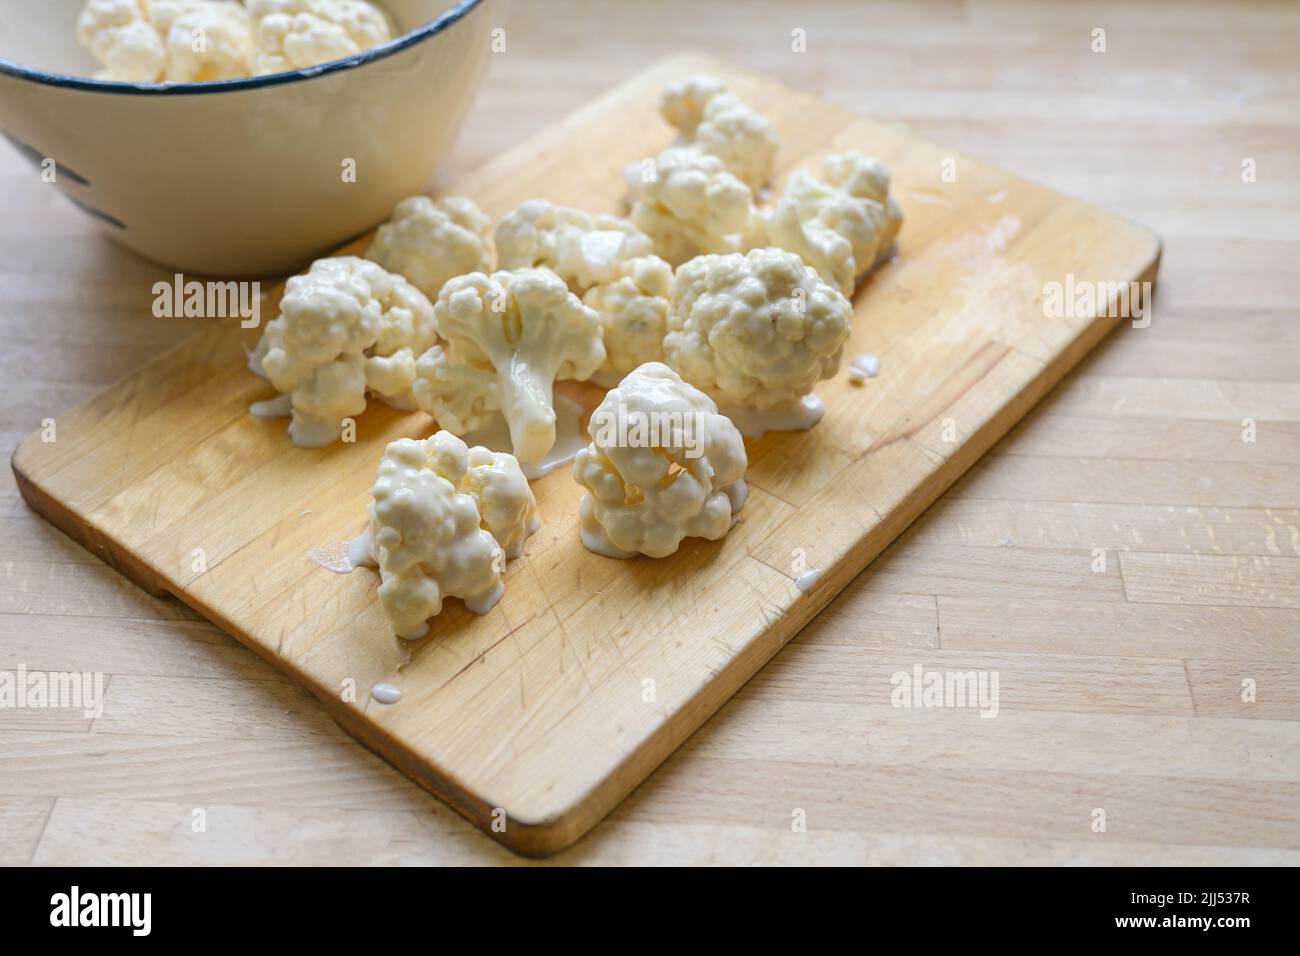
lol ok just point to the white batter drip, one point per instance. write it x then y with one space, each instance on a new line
863 367
279 407
569 438
342 557
808 580
757 422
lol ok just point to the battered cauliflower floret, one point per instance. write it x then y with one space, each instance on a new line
205 39
581 248
461 397
509 336
430 242
346 327
682 104
119 35
506 506
717 122
633 309
689 205
442 520
292 34
842 226
756 332
663 465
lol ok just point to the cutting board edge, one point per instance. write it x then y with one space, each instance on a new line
545 838
546 835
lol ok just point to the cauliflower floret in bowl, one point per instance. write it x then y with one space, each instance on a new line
757 332
430 242
205 39
122 39
198 41
346 328
213 170
663 465
292 34
443 520
581 248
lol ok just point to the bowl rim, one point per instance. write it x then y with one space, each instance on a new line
450 16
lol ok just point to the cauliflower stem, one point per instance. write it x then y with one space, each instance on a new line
510 336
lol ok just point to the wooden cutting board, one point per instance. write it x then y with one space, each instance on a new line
537 719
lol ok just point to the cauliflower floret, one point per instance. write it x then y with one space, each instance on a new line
505 502
163 14
185 41
756 332
510 336
443 518
461 397
663 465
345 328
119 35
292 34
205 39
633 309
429 243
717 122
842 226
682 103
688 204
581 248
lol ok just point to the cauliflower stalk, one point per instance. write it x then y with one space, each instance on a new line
756 332
346 327
293 34
509 336
842 226
442 521
715 121
689 205
581 248
633 308
662 466
430 242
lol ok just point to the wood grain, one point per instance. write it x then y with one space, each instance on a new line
538 711
1012 82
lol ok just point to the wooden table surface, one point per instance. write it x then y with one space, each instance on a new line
1126 561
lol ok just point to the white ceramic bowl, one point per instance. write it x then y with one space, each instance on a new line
242 177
